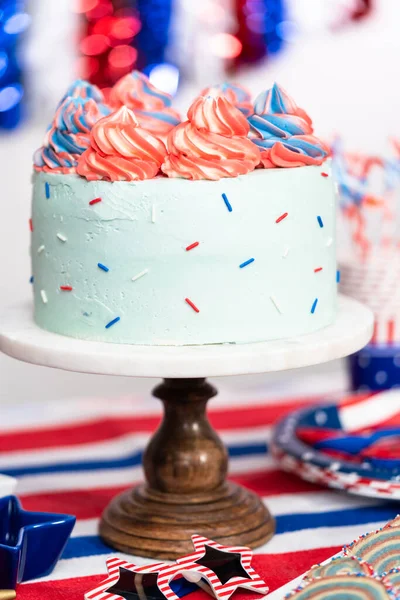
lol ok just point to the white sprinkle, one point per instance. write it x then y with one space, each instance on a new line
275 303
139 275
336 187
329 242
44 296
153 213
40 249
286 252
61 237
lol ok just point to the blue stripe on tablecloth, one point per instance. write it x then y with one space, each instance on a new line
336 518
132 460
91 545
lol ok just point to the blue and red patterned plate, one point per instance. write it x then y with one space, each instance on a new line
352 445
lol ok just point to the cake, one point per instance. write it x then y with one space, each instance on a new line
223 234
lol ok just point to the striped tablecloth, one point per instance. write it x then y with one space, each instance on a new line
73 457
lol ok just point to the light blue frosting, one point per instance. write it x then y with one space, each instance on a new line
146 227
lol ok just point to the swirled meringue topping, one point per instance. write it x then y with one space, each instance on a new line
212 143
83 89
235 93
120 150
136 92
297 151
80 88
158 122
152 107
277 101
283 132
68 136
265 129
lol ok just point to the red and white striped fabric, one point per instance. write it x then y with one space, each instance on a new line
73 457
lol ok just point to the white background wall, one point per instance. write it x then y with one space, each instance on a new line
347 81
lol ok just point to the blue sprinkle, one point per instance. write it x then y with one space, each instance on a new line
111 323
228 204
47 188
338 276
103 267
321 224
246 262
32 279
314 306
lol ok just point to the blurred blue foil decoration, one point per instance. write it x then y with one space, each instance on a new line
275 19
13 23
153 38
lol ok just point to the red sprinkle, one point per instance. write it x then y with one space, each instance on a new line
30 225
317 269
66 288
192 246
95 201
279 219
192 305
324 174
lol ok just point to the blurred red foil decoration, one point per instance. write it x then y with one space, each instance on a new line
362 9
352 11
250 35
108 29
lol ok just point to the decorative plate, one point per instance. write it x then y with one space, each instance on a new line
353 445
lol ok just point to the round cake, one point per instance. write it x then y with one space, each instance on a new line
226 234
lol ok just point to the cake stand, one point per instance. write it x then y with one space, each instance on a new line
185 463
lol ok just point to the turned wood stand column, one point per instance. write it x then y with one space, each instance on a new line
186 491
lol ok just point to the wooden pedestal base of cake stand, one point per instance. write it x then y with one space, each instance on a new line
185 463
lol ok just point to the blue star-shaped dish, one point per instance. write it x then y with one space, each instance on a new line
30 542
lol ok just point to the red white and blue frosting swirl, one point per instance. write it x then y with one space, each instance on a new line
83 89
120 150
278 102
272 128
283 132
212 143
235 93
152 107
80 88
68 136
135 91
